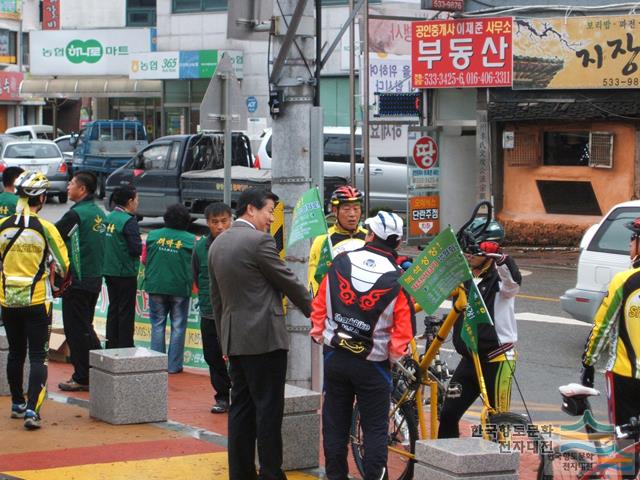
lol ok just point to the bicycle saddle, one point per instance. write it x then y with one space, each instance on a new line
577 390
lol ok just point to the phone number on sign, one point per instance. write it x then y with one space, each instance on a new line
621 82
462 79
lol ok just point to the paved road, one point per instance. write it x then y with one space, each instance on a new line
550 343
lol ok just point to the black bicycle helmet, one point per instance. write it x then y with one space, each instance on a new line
475 234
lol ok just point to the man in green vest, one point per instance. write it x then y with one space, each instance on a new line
82 229
122 249
168 281
8 198
218 216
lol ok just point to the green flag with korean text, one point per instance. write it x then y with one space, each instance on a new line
324 262
475 314
308 218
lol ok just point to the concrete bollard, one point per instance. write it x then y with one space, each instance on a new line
300 428
468 458
128 385
4 354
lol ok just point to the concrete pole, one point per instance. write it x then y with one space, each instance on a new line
290 171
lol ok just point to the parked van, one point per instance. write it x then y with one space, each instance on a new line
604 251
387 175
34 132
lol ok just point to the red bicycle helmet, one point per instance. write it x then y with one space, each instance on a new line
634 226
346 194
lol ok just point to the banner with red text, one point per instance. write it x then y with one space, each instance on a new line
467 53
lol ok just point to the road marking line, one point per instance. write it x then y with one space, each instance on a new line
536 317
525 273
535 297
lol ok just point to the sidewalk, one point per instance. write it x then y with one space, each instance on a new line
71 445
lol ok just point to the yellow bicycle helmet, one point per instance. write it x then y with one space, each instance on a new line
31 184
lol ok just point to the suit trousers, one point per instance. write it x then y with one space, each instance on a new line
212 352
257 407
78 308
121 315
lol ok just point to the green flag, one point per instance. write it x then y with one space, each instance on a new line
324 262
437 271
75 252
308 218
475 314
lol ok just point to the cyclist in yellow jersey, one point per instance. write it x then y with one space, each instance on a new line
617 324
346 235
30 248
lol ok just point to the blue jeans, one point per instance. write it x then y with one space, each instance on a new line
178 308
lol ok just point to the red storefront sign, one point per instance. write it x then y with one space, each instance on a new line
462 53
425 153
10 85
50 14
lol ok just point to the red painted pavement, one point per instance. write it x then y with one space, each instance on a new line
115 452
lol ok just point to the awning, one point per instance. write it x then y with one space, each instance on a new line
89 87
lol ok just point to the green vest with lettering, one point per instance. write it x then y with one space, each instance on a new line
90 239
8 202
168 269
204 298
117 261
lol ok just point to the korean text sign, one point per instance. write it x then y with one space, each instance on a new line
462 53
437 271
576 52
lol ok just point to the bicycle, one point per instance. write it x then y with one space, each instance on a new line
407 422
597 457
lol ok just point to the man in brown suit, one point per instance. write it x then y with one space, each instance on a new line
248 279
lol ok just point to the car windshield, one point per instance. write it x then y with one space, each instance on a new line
31 150
613 236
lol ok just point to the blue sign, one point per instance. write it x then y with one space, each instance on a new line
252 104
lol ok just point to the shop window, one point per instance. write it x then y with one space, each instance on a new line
525 151
571 198
566 148
8 46
141 13
601 149
184 6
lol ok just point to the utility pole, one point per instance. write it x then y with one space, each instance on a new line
291 83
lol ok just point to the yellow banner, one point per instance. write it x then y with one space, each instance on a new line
576 52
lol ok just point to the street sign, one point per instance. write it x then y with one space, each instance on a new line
423 185
252 104
212 110
425 152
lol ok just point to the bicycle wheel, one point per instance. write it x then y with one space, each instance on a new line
403 433
514 432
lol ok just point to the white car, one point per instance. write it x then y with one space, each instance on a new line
38 156
387 175
604 251
33 132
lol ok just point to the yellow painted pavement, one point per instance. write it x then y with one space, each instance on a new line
202 467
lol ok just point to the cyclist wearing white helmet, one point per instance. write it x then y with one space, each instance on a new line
30 248
344 236
364 318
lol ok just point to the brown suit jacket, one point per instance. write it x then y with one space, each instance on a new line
248 279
